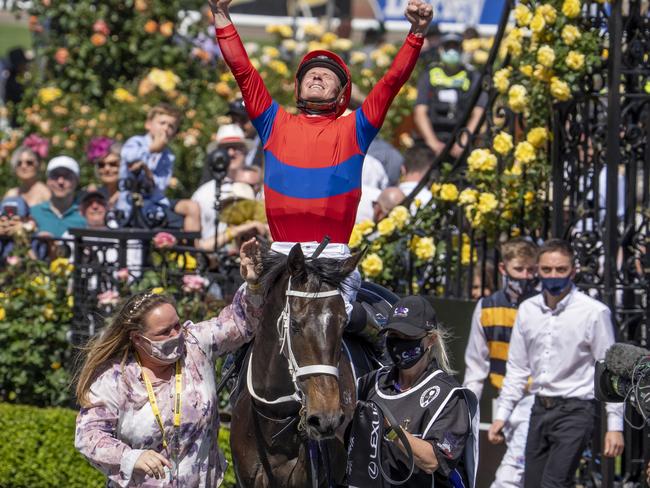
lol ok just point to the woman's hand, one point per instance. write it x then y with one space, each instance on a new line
250 256
152 464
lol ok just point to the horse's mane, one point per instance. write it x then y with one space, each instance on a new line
324 270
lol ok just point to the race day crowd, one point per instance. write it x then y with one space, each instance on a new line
147 389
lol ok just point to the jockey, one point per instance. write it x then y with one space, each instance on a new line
313 160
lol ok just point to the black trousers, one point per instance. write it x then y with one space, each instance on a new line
559 431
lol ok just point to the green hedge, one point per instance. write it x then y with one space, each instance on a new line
37 450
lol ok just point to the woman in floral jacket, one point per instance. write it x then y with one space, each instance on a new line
149 415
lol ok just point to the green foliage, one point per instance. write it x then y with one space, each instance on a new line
37 450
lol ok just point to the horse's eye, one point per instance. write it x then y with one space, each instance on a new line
295 327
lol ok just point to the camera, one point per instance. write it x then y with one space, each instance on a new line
9 210
218 162
624 376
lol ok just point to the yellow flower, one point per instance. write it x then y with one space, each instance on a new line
512 42
285 31
61 266
502 143
487 203
48 311
3 313
529 198
468 196
571 8
537 136
546 56
365 226
342 45
158 290
328 38
223 89
271 52
315 30
289 45
435 188
449 192
560 89
186 261
358 57
480 57
538 23
516 169
501 80
523 15
525 152
316 46
70 301
166 80
423 247
575 60
481 160
372 265
122 95
49 94
279 67
542 74
356 237
400 215
570 34
386 226
517 98
526 70
55 365
549 13
465 254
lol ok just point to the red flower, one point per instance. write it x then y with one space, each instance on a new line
101 27
61 56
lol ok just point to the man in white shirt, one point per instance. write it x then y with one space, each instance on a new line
557 338
416 164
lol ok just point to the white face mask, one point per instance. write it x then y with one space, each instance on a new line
166 351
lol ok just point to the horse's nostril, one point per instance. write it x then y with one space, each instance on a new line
314 421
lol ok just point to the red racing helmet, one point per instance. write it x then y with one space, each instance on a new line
329 60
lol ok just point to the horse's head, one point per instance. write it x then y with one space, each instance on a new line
313 321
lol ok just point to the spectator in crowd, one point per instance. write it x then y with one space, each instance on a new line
93 208
437 416
443 97
242 217
11 83
206 48
148 371
482 287
230 140
373 38
26 164
14 214
60 213
430 48
487 349
239 116
251 175
104 154
417 161
557 338
147 165
389 157
387 200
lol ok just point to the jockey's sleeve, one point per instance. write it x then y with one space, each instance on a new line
380 97
256 97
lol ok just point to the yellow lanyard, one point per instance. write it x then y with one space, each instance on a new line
154 403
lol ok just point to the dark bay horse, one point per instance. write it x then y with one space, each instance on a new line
299 393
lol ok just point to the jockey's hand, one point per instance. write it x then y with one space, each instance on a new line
221 6
419 14
250 256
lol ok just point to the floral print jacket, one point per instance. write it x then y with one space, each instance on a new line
120 424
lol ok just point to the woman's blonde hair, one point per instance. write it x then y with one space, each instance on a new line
114 340
438 349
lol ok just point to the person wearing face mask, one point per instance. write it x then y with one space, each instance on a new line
443 94
437 415
487 349
149 407
557 338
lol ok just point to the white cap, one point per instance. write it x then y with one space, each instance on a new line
231 134
237 191
63 162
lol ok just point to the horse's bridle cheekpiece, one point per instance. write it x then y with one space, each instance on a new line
296 371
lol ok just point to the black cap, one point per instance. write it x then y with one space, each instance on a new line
237 107
413 316
92 196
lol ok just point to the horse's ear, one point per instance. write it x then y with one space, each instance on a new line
351 263
296 260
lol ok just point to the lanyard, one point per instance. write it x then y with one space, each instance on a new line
154 403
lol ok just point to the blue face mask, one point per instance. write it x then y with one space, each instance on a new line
450 57
555 286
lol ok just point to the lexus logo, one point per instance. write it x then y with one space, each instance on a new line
372 470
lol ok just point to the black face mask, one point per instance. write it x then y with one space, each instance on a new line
521 288
405 353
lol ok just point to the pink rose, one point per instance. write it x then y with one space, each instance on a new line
192 283
122 274
13 260
38 144
109 297
164 240
101 27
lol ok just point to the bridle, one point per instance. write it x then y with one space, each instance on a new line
295 370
